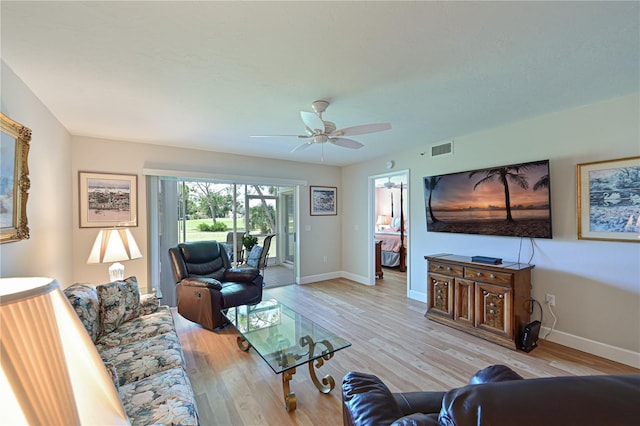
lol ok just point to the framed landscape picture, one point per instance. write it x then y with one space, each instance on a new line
14 180
108 200
324 201
609 200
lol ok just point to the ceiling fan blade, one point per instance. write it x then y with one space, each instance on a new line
303 146
346 143
362 129
281 136
312 121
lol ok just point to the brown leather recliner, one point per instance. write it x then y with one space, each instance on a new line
207 284
496 396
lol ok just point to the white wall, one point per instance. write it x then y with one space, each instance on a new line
48 250
596 283
98 155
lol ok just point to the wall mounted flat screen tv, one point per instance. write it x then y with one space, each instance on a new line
513 200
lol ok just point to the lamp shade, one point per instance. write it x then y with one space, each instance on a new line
51 372
383 220
114 245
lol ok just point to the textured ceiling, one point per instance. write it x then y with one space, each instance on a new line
210 74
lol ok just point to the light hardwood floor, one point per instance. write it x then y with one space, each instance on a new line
390 338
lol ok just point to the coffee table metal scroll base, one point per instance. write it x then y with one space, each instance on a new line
325 385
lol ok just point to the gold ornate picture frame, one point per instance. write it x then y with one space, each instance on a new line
14 180
609 200
108 200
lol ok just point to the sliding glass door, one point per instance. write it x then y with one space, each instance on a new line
183 210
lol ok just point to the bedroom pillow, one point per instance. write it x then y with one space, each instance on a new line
119 303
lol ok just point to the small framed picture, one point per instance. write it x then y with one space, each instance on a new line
324 200
108 200
609 200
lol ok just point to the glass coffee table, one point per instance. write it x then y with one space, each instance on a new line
285 340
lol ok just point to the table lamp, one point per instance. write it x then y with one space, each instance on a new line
51 372
382 220
114 245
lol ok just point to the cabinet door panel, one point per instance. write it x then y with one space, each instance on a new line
494 308
441 294
464 301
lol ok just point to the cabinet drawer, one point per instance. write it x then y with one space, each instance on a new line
444 268
488 276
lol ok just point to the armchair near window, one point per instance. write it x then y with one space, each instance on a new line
259 255
206 284
239 247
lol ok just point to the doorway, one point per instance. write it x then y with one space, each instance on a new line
389 219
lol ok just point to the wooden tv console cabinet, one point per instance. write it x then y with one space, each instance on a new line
489 301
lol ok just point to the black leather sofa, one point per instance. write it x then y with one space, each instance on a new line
497 396
206 284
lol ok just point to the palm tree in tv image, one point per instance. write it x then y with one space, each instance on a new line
430 184
512 174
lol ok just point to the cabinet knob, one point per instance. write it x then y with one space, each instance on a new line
439 297
491 311
485 292
479 274
446 284
448 268
492 304
500 296
438 267
492 276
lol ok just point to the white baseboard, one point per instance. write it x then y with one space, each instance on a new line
419 296
357 278
320 277
623 356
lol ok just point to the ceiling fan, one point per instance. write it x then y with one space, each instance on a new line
321 131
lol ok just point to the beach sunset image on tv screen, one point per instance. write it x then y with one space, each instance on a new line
513 200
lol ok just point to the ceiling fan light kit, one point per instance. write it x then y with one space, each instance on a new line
321 131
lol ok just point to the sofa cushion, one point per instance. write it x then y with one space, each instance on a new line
164 398
149 304
143 358
367 401
494 373
575 400
84 299
119 303
113 373
140 328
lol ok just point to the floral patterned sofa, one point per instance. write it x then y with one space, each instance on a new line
138 342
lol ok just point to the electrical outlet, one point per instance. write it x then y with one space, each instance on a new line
550 299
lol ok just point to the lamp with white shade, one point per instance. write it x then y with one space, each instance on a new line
114 245
50 370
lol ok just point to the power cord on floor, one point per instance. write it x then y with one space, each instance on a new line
555 320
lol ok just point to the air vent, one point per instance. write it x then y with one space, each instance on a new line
444 149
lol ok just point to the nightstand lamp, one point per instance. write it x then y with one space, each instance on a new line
114 245
383 220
